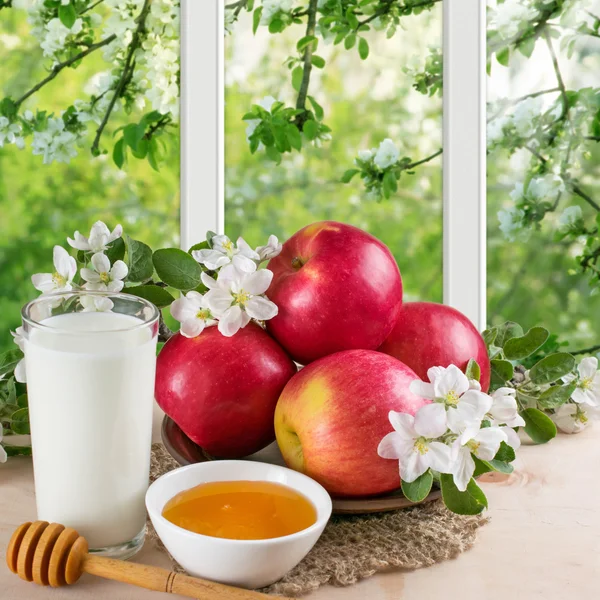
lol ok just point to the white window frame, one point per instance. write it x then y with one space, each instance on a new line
202 145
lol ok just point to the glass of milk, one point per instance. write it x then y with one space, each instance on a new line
90 360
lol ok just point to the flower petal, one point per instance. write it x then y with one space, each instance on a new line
243 263
413 465
115 286
116 233
183 310
43 282
119 270
463 467
489 440
587 367
261 309
79 243
258 283
403 423
430 420
512 437
100 263
422 389
439 457
192 328
231 321
20 374
246 250
90 275
452 380
218 301
392 446
208 281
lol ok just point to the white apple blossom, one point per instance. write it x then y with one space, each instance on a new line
103 277
387 154
193 312
55 143
237 296
224 252
525 115
546 187
484 445
99 239
574 418
10 133
570 218
3 455
56 35
271 250
96 303
511 16
512 224
410 443
62 278
19 340
365 155
272 8
504 410
588 382
229 21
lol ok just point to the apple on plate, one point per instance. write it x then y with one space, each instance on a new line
332 415
222 391
428 335
337 288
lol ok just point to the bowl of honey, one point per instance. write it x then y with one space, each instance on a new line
238 522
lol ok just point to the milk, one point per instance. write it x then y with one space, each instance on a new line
90 381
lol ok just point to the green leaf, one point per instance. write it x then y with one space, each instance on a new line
201 246
489 336
363 48
23 401
502 371
481 467
390 184
209 238
9 360
20 422
348 175
419 489
311 129
538 426
350 41
503 57
119 153
153 158
276 26
116 250
256 19
139 260
318 61
177 268
18 450
505 453
527 46
294 136
473 370
556 396
153 293
552 368
67 15
307 40
518 348
470 502
506 332
297 76
319 113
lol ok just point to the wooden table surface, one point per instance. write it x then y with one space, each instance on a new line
543 540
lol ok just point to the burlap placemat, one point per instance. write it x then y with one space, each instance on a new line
352 548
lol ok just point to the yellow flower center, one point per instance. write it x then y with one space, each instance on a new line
586 384
203 314
473 446
452 398
228 246
58 279
104 277
421 446
241 298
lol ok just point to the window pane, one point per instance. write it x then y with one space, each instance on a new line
543 166
364 102
41 204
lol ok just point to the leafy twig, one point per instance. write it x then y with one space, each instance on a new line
237 7
423 160
125 75
514 101
90 7
590 350
308 54
384 10
63 65
559 78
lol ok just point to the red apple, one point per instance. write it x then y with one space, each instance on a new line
332 415
435 335
337 288
222 391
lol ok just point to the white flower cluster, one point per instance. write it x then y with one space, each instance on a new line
10 133
459 423
55 143
275 8
512 16
383 157
576 415
56 36
236 295
522 122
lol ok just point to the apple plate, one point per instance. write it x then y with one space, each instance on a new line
186 452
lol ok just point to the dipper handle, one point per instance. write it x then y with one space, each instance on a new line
51 554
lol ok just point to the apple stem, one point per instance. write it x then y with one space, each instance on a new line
297 262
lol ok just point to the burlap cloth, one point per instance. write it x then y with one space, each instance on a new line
352 548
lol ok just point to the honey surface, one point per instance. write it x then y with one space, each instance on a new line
241 510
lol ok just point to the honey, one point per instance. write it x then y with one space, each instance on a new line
241 510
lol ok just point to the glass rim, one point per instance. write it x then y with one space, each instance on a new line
146 322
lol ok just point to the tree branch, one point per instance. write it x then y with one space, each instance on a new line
590 350
63 65
593 138
559 79
308 54
164 333
91 7
411 166
237 7
384 10
577 190
125 76
514 101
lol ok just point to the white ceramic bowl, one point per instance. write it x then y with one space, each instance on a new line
243 563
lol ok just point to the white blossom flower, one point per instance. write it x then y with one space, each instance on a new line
236 297
62 278
512 437
504 410
410 443
272 8
229 21
9 133
193 312
103 277
546 187
387 154
55 143
365 155
19 340
495 130
224 252
3 455
525 116
511 16
56 35
271 250
512 225
570 219
96 303
574 418
484 445
99 239
588 382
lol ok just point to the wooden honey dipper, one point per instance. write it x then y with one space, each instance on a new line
55 555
